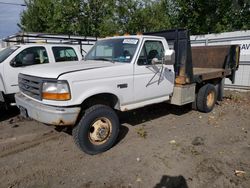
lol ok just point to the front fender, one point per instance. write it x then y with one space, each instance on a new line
99 90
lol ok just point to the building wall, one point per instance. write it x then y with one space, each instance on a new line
242 38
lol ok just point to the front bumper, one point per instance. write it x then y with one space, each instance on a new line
47 114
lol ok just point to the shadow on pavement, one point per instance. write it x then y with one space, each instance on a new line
172 182
122 134
152 112
7 114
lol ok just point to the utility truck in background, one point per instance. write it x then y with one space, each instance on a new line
34 52
124 73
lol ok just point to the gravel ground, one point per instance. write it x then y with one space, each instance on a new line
159 146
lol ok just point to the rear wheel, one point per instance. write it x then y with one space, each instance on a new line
97 130
206 98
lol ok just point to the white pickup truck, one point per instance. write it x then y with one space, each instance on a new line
120 74
15 58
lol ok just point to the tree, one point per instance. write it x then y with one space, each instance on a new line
51 16
94 15
104 18
141 16
65 16
201 16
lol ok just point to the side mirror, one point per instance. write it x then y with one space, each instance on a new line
13 63
169 57
156 61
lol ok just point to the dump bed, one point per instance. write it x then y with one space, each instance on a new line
197 64
214 61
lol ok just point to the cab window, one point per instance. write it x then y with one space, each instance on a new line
5 53
119 50
30 56
64 54
150 50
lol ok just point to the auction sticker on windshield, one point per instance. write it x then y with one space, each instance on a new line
130 41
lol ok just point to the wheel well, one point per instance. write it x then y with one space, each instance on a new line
212 81
103 98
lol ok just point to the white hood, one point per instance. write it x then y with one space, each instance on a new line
54 70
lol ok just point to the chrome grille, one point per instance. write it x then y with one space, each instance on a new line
30 85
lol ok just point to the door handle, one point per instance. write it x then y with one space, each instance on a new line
122 86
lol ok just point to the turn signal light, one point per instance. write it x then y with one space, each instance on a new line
56 96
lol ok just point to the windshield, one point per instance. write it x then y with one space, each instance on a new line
7 52
118 50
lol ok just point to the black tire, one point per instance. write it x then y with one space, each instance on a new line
204 101
86 127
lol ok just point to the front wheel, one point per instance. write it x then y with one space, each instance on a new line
97 130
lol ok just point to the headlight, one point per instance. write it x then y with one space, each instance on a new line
56 91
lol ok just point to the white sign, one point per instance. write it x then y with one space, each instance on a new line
244 50
130 41
244 46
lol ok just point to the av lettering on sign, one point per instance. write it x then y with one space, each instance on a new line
244 51
244 46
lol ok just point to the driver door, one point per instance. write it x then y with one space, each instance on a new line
152 81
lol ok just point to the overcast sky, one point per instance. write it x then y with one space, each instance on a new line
10 16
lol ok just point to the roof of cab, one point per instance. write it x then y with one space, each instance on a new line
133 36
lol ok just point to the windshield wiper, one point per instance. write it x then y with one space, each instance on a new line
104 59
